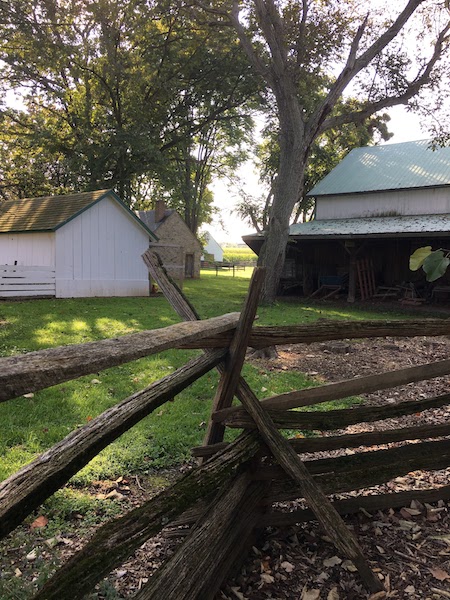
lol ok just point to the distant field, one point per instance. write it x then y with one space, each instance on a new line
238 254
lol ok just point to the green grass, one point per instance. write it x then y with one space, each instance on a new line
28 426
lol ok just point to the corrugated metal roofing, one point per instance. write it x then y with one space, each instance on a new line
418 225
48 213
388 167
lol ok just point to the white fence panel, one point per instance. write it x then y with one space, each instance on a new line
23 280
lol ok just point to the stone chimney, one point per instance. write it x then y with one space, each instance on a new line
160 209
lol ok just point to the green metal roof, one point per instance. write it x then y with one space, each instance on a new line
49 213
388 167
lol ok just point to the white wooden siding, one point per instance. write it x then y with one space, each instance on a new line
25 280
403 202
99 254
37 249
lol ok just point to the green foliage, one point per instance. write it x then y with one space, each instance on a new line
138 96
434 263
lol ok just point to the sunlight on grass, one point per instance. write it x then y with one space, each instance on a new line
164 438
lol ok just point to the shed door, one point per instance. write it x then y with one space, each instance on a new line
189 265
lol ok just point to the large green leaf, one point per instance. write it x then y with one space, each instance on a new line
435 265
416 259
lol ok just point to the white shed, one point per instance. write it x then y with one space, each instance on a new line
213 247
77 245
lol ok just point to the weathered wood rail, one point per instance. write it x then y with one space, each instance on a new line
231 493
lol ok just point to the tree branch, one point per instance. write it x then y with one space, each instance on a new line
354 65
246 44
412 89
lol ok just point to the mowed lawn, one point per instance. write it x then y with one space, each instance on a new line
30 425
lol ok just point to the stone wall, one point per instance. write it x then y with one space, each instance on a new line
178 241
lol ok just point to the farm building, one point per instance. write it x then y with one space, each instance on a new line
372 211
212 250
179 249
77 245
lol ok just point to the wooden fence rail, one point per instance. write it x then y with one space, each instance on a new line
228 495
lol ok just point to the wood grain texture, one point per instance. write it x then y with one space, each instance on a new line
38 370
336 419
115 541
24 491
349 387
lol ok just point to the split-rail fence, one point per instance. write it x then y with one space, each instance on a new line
232 492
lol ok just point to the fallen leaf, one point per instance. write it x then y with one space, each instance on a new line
332 562
95 381
410 589
349 566
41 521
333 594
17 572
310 595
239 595
287 566
439 574
32 555
266 578
378 596
30 395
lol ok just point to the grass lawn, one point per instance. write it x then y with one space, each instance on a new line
28 426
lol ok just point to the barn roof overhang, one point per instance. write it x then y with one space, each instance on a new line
413 226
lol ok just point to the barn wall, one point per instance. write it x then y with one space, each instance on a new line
99 254
29 249
402 202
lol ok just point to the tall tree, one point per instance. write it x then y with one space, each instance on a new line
326 152
105 88
308 53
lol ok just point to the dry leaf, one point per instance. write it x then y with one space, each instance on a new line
333 594
310 595
30 395
410 589
439 574
41 521
378 596
239 595
95 381
349 566
17 572
266 578
332 562
32 555
287 566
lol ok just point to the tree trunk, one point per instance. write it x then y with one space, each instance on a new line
287 191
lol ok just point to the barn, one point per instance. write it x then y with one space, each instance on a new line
376 207
76 245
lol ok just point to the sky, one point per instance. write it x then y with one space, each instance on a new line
405 127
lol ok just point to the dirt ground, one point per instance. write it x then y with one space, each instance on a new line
409 548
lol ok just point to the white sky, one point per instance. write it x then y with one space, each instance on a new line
405 127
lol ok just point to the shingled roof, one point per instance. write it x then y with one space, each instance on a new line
49 213
409 165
